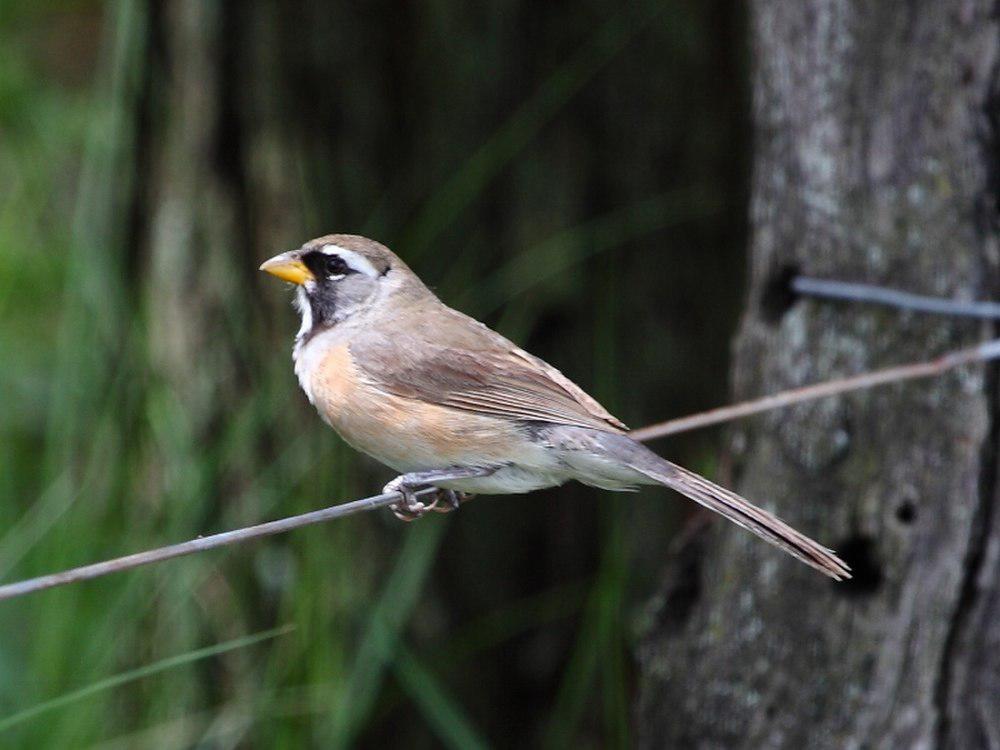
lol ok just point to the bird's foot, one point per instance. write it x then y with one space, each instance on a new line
410 508
450 500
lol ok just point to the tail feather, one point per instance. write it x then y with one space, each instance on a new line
745 514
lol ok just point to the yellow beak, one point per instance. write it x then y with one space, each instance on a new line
288 267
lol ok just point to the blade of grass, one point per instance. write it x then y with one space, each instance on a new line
577 678
600 640
568 247
139 673
388 618
510 620
598 636
443 714
477 171
614 568
615 687
93 308
26 532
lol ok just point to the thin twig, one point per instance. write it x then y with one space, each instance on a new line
879 295
986 351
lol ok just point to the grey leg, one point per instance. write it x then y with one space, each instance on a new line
410 508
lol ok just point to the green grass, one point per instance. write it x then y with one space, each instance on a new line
133 675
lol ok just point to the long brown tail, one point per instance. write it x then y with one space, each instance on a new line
741 512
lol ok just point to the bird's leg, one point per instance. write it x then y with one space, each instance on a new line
410 508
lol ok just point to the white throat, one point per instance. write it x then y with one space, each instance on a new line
304 355
301 303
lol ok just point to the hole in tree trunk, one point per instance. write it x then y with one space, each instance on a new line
778 296
683 591
906 513
866 571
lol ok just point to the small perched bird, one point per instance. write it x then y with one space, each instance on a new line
455 406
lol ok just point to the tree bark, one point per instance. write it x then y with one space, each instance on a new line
876 160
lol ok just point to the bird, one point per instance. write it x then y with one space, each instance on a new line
455 407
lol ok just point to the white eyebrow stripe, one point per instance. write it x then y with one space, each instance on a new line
355 260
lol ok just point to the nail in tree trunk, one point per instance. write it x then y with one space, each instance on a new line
876 160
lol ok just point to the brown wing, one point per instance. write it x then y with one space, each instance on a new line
453 360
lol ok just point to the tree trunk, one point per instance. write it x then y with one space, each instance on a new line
876 160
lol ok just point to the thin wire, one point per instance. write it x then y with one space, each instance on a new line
202 543
879 295
981 353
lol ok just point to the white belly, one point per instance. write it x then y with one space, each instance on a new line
509 480
551 468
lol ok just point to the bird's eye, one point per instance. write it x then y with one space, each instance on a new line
335 266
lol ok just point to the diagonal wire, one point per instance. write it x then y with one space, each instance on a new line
202 543
985 352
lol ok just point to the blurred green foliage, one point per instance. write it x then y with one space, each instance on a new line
576 181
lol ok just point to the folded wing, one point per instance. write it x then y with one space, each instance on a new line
480 371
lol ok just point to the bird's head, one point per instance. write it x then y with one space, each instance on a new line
339 276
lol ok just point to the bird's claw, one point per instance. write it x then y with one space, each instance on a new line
410 508
450 500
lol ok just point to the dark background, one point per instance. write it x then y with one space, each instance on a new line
574 174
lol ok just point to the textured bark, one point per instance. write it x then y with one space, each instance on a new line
875 160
